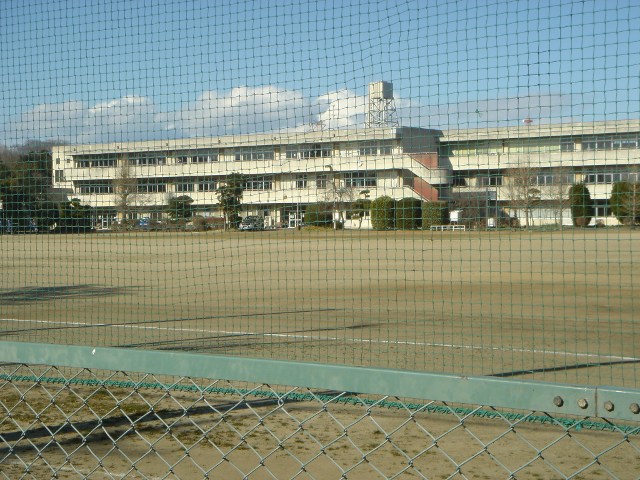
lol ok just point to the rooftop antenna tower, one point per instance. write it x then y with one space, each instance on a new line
382 108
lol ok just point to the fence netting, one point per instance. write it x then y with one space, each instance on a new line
374 184
445 187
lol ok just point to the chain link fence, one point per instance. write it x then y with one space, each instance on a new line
80 423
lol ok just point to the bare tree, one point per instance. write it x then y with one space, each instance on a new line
125 188
559 192
523 191
339 196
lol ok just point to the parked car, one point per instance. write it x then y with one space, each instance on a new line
252 222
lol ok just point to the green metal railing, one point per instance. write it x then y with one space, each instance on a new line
323 421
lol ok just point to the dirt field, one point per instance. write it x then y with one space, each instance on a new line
544 305
551 306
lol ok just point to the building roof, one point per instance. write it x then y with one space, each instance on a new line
254 140
538 131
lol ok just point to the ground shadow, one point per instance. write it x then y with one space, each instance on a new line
40 294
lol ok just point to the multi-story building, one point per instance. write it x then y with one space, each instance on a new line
527 170
282 172
523 171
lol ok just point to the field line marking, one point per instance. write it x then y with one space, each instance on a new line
327 338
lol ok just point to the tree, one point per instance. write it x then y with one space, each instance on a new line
360 208
319 214
523 193
562 179
230 198
125 187
408 214
625 202
472 208
581 205
25 182
434 213
339 196
74 217
180 208
382 213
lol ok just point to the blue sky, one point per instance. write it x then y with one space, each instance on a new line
152 69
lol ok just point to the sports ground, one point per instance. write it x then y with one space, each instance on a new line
555 306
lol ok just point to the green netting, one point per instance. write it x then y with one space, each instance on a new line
447 187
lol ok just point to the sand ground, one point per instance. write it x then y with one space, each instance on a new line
553 306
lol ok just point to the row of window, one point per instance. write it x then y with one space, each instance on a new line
553 179
309 151
611 142
612 177
549 179
209 156
206 184
541 145
97 163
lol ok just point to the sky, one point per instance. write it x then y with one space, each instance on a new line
128 70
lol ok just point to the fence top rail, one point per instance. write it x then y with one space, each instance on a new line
606 402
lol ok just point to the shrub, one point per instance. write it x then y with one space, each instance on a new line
434 213
382 213
180 208
200 223
319 215
581 205
408 214
625 202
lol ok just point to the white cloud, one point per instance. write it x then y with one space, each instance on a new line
126 118
244 110
342 109
241 110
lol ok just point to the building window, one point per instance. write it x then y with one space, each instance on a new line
95 161
610 142
374 149
151 186
553 179
144 159
624 143
321 180
567 144
316 150
254 154
204 158
597 143
197 156
601 208
360 179
207 185
605 178
185 187
97 187
59 175
459 180
489 181
301 181
258 183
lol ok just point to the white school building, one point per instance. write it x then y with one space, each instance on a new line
285 172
